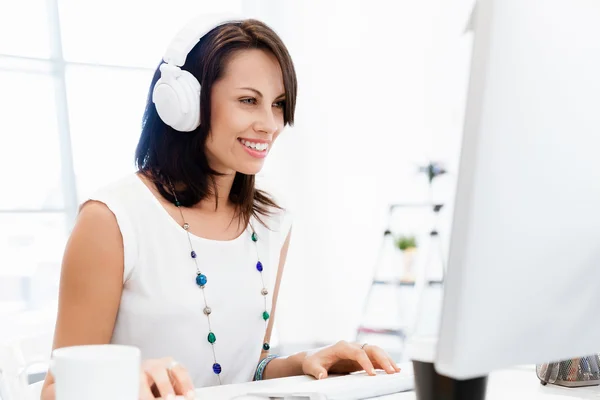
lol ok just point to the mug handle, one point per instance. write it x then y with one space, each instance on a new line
23 373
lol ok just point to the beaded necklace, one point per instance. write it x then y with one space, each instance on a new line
202 280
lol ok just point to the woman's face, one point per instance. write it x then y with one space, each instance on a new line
246 112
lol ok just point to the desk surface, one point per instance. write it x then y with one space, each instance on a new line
515 384
521 383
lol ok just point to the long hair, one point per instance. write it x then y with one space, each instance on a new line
167 156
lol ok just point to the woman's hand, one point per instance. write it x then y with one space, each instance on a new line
344 357
165 378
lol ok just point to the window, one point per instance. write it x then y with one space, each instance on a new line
136 35
31 247
73 105
24 28
30 143
105 114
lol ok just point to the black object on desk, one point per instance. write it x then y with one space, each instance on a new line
429 385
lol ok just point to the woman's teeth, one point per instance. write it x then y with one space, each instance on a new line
255 146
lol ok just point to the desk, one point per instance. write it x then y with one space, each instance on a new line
518 383
521 383
512 384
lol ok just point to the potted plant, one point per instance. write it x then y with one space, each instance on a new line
407 244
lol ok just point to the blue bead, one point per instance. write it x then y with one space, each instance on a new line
259 266
217 368
201 280
193 254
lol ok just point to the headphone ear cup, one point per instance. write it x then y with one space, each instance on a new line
191 86
176 96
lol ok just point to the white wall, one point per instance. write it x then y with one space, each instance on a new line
381 89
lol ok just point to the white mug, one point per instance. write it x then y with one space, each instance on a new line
96 372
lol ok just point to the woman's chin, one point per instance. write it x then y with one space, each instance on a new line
250 169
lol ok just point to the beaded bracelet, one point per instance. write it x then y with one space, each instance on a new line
258 375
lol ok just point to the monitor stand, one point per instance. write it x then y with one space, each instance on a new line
429 385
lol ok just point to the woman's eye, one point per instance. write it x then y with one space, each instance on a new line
280 104
248 101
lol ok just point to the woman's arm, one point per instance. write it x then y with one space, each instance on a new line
343 357
289 366
91 283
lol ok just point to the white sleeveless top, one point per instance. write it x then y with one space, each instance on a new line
161 310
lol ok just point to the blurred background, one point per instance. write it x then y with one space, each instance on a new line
382 87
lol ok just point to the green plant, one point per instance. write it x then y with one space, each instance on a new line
406 242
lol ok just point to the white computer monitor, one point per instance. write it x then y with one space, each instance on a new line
523 277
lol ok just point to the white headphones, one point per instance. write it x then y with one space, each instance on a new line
176 94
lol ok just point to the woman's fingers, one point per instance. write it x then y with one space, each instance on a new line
380 357
182 382
158 376
348 351
345 357
314 367
165 378
394 365
145 392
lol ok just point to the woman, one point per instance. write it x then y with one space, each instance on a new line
184 258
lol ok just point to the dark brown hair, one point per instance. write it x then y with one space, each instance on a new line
165 155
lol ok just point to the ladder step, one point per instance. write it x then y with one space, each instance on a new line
401 283
382 331
394 282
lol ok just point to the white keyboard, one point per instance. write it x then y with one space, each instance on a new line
355 386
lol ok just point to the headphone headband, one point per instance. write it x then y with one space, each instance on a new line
185 40
176 94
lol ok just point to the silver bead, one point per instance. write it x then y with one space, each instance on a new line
186 226
264 292
207 311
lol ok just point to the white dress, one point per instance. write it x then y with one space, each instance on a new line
161 309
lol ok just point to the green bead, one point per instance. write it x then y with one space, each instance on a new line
254 237
266 347
177 203
265 315
212 338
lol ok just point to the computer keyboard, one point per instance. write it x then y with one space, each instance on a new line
356 386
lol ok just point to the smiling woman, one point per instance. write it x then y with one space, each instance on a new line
243 126
241 67
184 259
